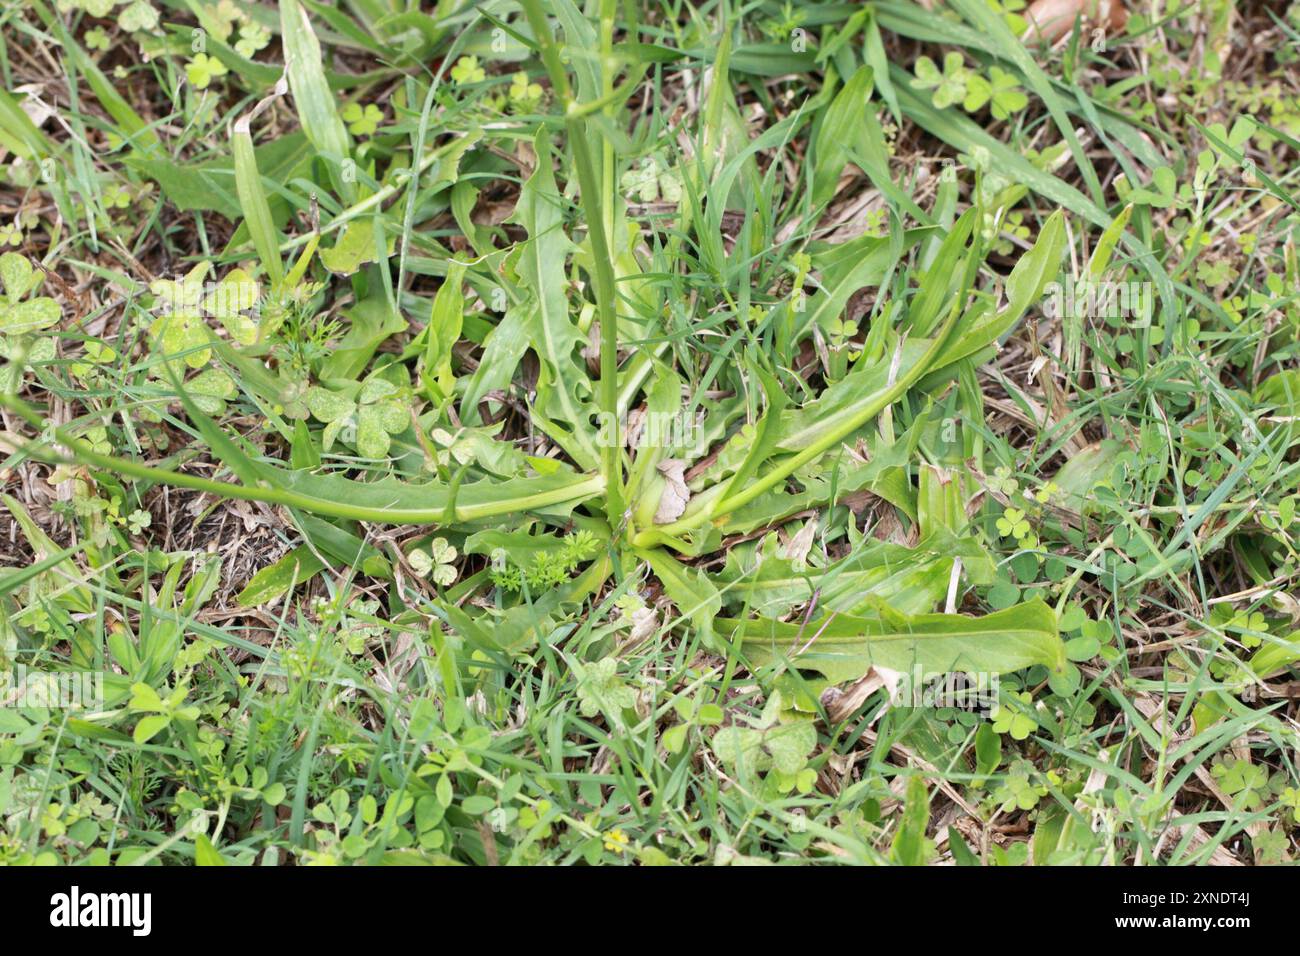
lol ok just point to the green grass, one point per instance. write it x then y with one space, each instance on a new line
557 432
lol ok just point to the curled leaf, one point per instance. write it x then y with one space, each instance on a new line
672 501
1050 20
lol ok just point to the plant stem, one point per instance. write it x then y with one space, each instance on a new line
611 465
592 195
585 487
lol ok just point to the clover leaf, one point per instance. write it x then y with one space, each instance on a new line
252 38
140 15
362 122
601 689
180 327
1235 139
523 93
1242 780
18 314
1013 523
1018 790
467 70
354 248
1161 192
1017 721
949 86
97 354
370 419
96 8
780 741
236 294
436 563
203 69
1000 91
210 390
1271 846
652 180
138 520
1291 800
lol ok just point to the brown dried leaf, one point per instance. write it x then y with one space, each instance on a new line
797 548
675 494
644 623
1049 20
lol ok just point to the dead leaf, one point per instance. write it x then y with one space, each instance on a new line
591 351
635 425
644 623
37 110
1049 20
675 494
840 704
797 548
